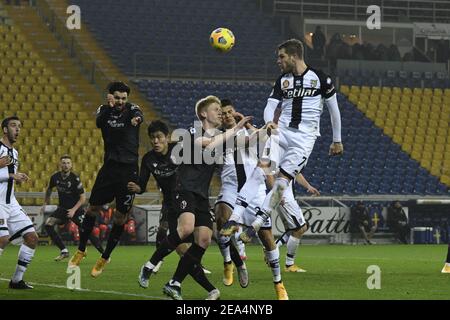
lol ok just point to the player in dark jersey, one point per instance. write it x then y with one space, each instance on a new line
197 155
157 163
71 200
119 122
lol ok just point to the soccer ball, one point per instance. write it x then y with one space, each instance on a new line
222 39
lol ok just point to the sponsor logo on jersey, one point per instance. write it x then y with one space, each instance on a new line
313 83
300 92
115 124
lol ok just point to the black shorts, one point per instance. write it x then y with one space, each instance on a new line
170 216
111 183
61 215
186 201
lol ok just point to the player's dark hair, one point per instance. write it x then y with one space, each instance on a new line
225 102
65 156
157 125
118 86
6 121
292 47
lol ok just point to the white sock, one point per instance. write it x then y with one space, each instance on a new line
274 261
283 240
149 265
25 256
238 243
174 283
64 250
292 246
224 247
247 192
1 251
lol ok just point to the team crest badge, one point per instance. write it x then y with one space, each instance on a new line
313 83
285 84
2 221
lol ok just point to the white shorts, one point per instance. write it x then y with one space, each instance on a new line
291 148
14 222
227 194
250 212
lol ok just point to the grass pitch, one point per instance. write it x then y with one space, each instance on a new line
334 272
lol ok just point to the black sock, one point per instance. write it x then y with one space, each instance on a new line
199 276
85 231
96 243
169 244
235 256
160 236
188 263
448 254
55 237
113 239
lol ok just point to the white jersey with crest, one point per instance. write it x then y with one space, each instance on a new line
7 184
301 98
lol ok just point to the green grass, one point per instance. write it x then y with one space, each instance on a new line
334 272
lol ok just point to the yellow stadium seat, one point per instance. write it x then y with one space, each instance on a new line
90 125
441 140
40 124
75 107
69 115
60 133
388 130
56 98
46 115
82 116
38 106
33 115
379 121
20 98
67 98
344 89
53 80
76 124
52 124
355 89
48 133
57 115
419 140
65 124
44 98
436 171
397 138
61 89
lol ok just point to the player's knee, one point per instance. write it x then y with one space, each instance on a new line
300 231
185 230
3 242
204 241
31 240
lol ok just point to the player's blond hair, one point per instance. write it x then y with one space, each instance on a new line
203 104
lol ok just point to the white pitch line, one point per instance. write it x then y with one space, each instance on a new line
90 290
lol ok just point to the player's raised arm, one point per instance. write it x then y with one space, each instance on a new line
137 117
215 141
329 93
102 115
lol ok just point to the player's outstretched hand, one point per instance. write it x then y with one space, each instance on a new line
133 187
5 161
243 121
19 177
314 192
270 126
336 148
238 116
135 121
110 100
